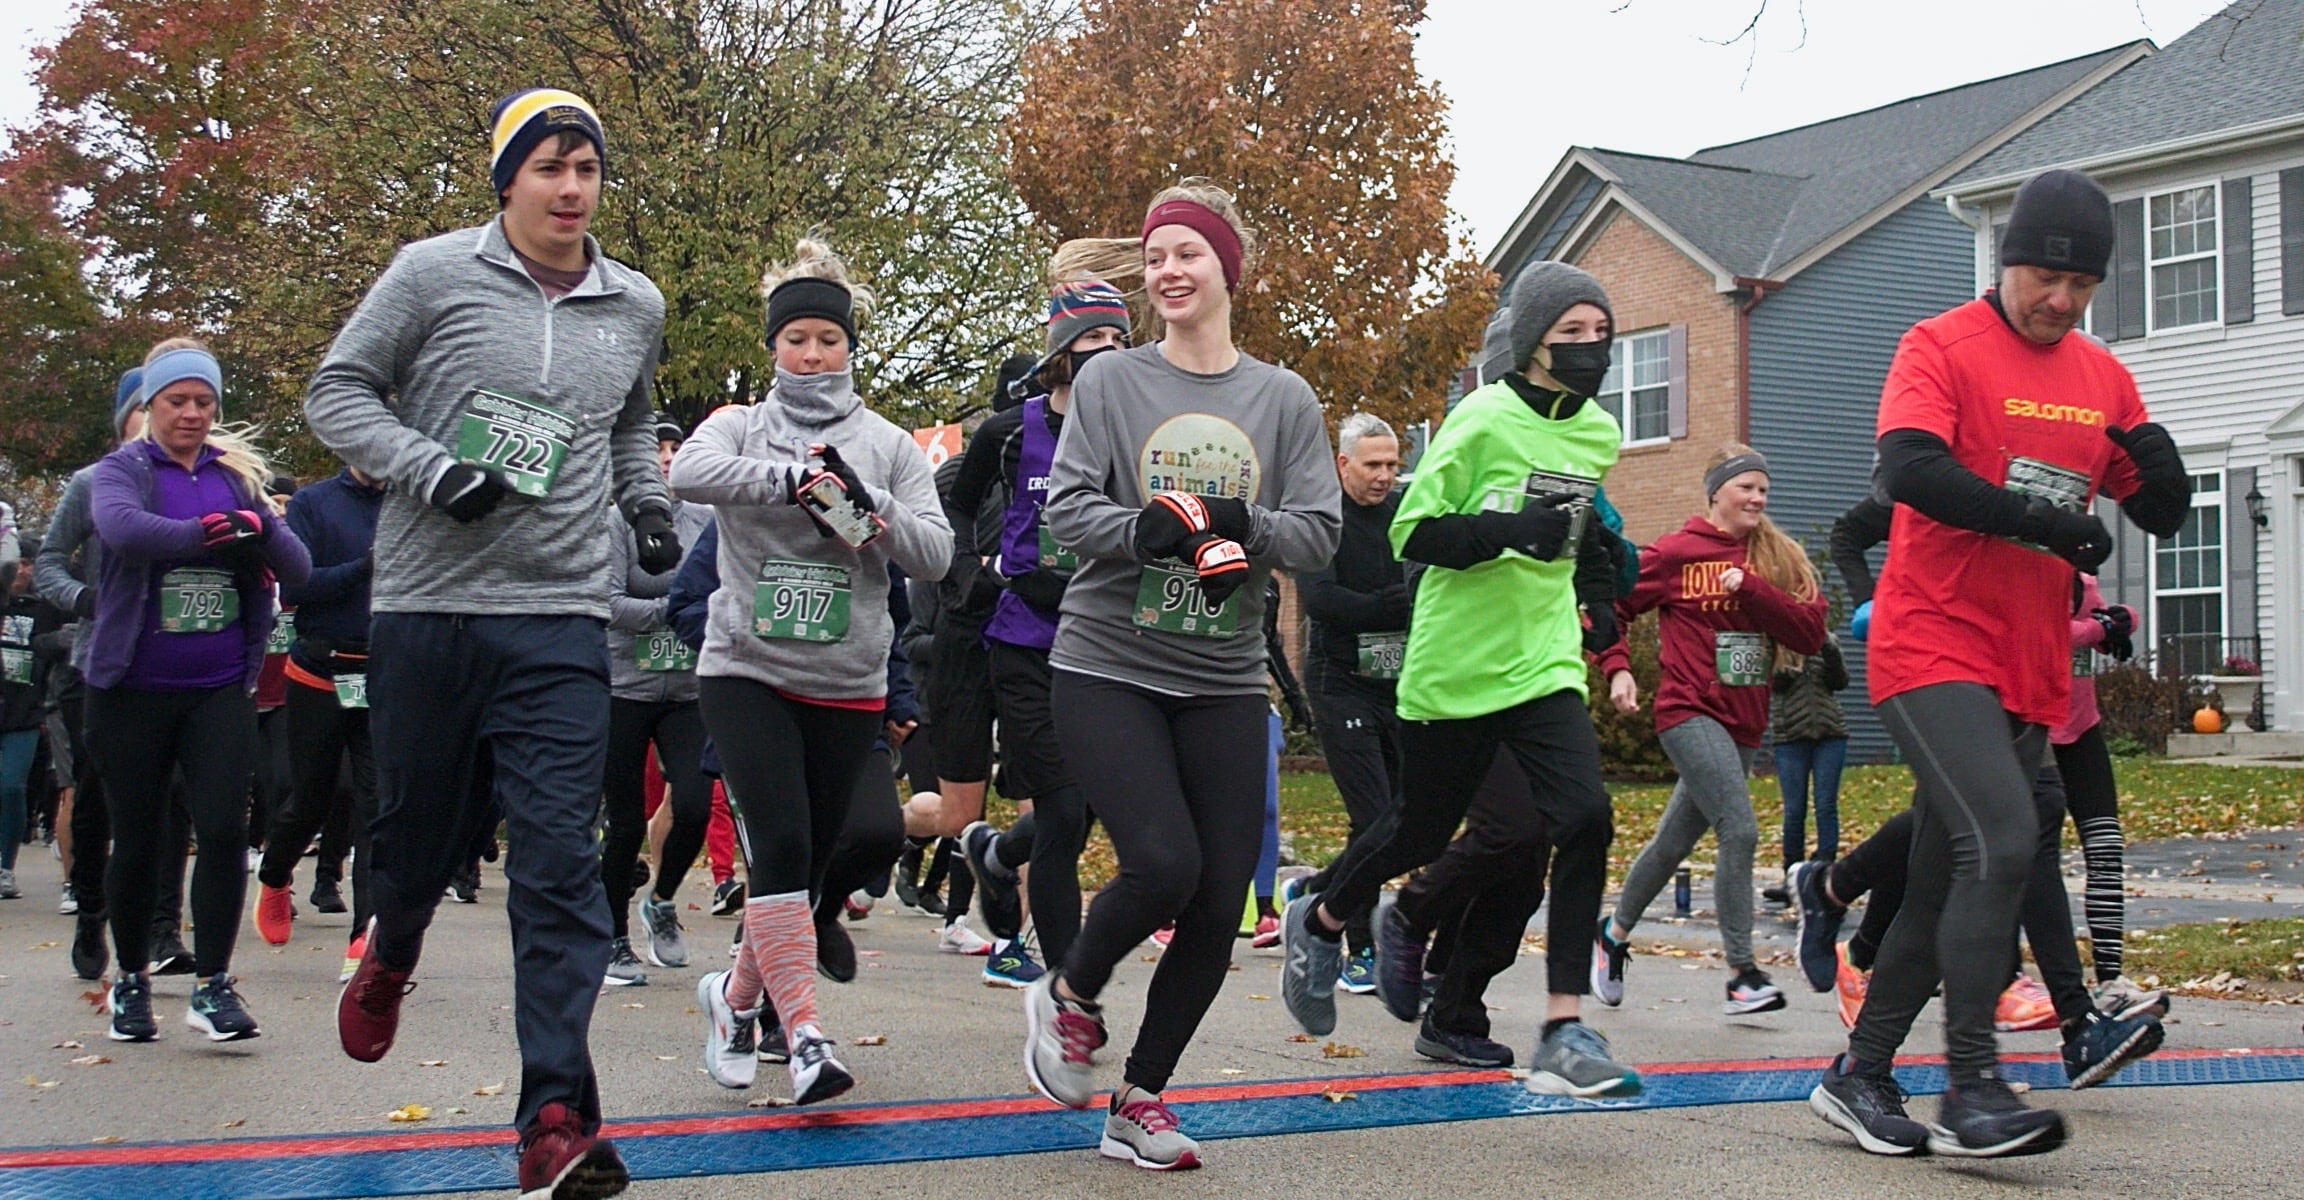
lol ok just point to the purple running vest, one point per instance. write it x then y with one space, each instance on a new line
1014 620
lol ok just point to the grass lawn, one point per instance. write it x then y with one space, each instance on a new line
2219 957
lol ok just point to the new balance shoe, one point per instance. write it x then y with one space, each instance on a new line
2125 999
1011 965
169 955
1870 1107
996 892
130 1004
729 1055
1609 958
957 938
1752 991
91 951
352 956
1061 1038
1852 985
1399 961
216 1010
1819 922
623 966
327 897
1309 965
1266 934
1986 1120
1575 1061
559 1161
666 946
727 897
368 1009
275 914
2103 1044
1143 1131
2024 1007
1359 977
816 1075
1463 1049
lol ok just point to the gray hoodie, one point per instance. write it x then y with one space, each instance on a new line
72 528
636 606
740 462
1139 426
457 313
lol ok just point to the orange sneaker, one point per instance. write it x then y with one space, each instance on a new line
352 956
275 914
1852 984
2024 1006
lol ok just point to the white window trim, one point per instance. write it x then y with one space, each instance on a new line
2208 499
2215 189
1624 416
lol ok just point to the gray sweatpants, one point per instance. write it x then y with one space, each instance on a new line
1710 795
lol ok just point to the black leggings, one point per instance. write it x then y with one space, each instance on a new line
1181 782
322 736
138 739
871 838
1477 898
2093 795
1051 836
677 732
791 773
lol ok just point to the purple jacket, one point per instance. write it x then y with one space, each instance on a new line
120 501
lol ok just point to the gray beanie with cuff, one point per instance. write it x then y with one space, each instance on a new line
1539 294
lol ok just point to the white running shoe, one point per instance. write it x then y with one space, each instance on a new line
729 1054
2124 999
957 938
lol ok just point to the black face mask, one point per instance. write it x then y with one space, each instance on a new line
1580 366
1079 358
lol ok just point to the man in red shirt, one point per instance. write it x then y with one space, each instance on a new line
1997 429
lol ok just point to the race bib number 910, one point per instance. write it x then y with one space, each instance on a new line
1169 599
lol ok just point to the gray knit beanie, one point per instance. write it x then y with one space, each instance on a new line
1539 294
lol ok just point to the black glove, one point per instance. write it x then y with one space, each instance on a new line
2154 453
2077 538
658 545
839 469
1398 603
1041 587
1599 626
1299 714
84 604
1539 529
2116 622
1221 563
1171 517
468 493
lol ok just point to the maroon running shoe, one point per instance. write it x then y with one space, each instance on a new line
559 1161
368 1010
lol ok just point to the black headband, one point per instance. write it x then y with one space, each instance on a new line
809 296
1748 461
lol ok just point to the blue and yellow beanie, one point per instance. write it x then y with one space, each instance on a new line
524 118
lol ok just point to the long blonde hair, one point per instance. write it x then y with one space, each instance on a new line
1774 557
236 444
814 258
1116 259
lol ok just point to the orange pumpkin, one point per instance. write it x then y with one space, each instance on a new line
2207 720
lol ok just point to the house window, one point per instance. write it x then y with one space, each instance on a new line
2188 582
1638 389
2182 260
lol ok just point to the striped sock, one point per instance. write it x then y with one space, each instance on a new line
780 942
2106 905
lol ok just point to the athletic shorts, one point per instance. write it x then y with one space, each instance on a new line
1030 761
961 705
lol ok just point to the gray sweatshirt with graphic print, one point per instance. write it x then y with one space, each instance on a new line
1139 426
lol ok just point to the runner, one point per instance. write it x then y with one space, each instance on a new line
1811 747
814 495
1973 664
496 381
184 606
1186 471
23 702
1736 597
652 705
1086 318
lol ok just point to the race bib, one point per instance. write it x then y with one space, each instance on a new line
351 690
1545 483
283 634
1055 557
1740 658
197 600
526 442
1380 655
2083 662
662 650
800 601
2063 487
1168 598
16 664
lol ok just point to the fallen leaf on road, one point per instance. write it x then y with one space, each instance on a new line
489 1089
1340 1050
432 1062
66 1044
769 1102
667 1058
459 1110
1231 1071
46 945
635 1004
89 1060
36 1081
96 1000
1258 996
869 953
1339 1097
871 1039
1302 1037
1147 958
232 1124
409 1112
109 1139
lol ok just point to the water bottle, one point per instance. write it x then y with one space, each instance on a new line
1682 897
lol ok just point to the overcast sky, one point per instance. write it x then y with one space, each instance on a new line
1529 78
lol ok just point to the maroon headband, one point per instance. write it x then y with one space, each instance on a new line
1201 219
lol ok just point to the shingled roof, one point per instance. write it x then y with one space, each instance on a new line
2240 67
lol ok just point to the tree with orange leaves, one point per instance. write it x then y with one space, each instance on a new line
1313 113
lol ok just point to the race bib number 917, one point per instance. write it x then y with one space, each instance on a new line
800 601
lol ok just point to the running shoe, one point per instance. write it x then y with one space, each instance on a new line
217 1011
1359 976
1852 985
2104 1044
729 1055
1609 958
275 914
1143 1131
2125 999
1399 961
816 1075
1870 1107
1309 965
995 884
2024 1007
255 859
368 1009
352 956
559 1161
1266 934
1011 965
666 948
327 897
623 966
1164 935
1779 894
727 898
91 953
1819 922
835 952
906 877
1986 1120
1061 1038
957 938
1752 991
67 900
858 905
772 1047
1463 1049
130 1003
1575 1061
169 956
464 885
8 888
